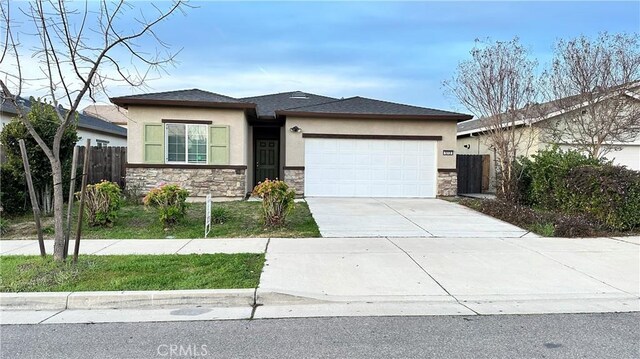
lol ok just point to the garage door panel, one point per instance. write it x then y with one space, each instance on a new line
369 168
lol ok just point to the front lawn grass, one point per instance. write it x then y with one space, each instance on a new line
130 272
138 222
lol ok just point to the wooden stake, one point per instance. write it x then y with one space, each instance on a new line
32 195
72 188
85 170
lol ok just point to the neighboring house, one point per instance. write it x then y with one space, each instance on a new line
472 139
322 146
101 133
110 113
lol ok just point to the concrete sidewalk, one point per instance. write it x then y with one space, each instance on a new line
142 246
384 276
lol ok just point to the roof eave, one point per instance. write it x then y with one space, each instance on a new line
457 118
101 130
126 102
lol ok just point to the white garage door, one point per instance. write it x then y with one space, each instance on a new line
369 168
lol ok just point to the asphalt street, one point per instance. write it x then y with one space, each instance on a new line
508 336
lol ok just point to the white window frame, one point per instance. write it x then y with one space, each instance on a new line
102 143
186 144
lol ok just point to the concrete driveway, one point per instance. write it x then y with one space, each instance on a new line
405 217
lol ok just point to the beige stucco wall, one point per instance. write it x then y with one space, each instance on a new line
479 145
235 119
295 143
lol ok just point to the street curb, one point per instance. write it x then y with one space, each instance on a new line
127 299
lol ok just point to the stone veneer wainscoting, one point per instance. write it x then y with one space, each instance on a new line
220 181
294 176
447 183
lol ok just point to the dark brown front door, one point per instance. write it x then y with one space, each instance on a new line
267 158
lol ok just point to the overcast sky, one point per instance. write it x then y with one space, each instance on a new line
396 51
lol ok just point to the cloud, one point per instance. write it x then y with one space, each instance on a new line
339 82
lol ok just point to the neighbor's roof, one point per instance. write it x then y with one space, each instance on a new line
543 111
183 98
111 113
361 107
85 122
267 105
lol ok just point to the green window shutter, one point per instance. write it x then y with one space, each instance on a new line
153 139
218 145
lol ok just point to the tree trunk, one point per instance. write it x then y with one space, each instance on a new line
58 210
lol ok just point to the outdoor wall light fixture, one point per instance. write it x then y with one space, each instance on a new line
467 146
295 129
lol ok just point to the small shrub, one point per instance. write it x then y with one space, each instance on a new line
171 202
48 230
4 226
219 215
543 229
102 202
277 201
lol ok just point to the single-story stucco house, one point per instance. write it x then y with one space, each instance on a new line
533 127
321 146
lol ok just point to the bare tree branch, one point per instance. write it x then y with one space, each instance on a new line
79 53
497 85
589 81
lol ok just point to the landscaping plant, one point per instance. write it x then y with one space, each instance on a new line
102 202
219 215
171 202
277 201
610 194
4 225
542 180
13 198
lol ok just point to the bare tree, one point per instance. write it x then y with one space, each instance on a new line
594 84
78 51
497 85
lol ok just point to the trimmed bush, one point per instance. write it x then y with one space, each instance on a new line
277 201
542 183
102 202
611 194
171 202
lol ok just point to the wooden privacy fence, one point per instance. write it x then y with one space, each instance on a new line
473 173
106 163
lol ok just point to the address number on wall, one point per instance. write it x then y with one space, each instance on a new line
447 152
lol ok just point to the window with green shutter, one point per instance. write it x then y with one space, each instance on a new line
186 143
153 138
218 145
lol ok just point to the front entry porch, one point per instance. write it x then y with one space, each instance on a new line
266 153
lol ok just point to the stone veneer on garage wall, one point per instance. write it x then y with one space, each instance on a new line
294 176
220 181
447 183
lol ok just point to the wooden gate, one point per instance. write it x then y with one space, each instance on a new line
473 173
106 163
